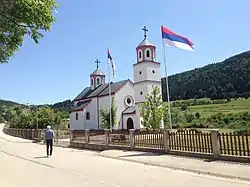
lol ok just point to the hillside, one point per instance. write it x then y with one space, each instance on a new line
227 79
60 106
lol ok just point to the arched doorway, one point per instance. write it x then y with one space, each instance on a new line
130 123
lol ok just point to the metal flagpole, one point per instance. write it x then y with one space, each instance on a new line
166 75
110 102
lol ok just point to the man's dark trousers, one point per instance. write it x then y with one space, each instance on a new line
49 146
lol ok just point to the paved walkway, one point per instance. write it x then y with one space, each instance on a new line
208 167
23 165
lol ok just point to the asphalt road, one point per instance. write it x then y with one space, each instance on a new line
22 164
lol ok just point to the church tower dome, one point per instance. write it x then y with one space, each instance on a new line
146 49
97 78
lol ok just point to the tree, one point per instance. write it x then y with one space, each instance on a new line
23 17
105 115
151 110
177 117
197 115
184 107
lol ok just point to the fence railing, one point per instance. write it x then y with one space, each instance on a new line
149 139
119 137
232 146
31 134
191 141
235 143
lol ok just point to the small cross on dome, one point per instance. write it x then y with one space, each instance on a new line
145 31
97 63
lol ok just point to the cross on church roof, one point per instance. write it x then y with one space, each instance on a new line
97 63
145 31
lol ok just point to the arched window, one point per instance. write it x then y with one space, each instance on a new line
148 53
87 116
139 55
97 81
92 81
76 116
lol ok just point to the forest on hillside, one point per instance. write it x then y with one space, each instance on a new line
63 106
227 79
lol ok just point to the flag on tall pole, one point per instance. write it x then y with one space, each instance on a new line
112 63
176 40
169 38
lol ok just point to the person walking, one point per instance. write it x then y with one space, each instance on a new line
49 135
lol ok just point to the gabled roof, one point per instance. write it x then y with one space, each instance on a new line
101 90
85 92
114 87
80 105
129 110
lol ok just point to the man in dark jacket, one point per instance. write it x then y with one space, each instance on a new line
49 135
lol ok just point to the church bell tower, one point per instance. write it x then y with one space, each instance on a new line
147 72
97 77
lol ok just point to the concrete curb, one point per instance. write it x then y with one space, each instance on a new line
214 174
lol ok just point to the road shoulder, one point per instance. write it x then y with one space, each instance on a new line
227 170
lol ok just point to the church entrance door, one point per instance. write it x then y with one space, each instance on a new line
130 123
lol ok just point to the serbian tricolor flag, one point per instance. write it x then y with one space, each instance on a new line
176 40
111 61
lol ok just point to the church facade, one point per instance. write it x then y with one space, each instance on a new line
126 95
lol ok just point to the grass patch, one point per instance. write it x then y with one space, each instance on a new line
235 106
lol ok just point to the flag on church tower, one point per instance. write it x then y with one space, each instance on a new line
176 40
111 61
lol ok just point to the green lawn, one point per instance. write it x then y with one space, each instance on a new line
235 106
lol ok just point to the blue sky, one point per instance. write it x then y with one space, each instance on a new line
58 67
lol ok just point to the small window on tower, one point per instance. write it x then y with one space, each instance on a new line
153 71
97 81
140 72
141 92
76 116
148 53
140 54
92 82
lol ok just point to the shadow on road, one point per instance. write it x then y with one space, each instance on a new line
40 157
143 154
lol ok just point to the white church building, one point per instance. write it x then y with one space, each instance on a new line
126 95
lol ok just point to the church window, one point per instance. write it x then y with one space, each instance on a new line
148 53
140 72
92 81
153 71
87 116
97 81
141 92
140 54
76 116
129 100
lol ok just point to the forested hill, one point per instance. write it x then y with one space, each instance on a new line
230 78
60 106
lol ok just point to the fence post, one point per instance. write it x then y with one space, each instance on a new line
71 137
32 134
132 138
215 143
39 135
86 137
106 138
22 136
166 137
